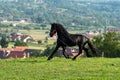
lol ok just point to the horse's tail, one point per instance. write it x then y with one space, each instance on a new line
93 49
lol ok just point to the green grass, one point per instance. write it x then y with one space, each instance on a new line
60 69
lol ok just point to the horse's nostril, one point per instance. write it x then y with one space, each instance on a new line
50 35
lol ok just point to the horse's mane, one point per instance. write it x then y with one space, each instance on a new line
60 27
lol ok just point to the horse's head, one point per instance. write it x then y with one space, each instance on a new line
53 29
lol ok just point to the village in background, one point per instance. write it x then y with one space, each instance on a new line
28 38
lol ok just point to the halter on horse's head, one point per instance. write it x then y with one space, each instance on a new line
53 29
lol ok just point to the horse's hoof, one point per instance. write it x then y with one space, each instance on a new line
74 58
49 59
67 57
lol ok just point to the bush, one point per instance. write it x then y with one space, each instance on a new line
4 41
20 43
37 53
107 44
39 41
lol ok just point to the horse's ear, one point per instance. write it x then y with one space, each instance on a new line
52 24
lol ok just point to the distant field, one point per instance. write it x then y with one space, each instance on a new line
35 45
60 69
36 34
39 34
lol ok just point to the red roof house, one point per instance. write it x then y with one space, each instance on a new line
18 52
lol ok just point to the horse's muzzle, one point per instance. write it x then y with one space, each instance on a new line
51 35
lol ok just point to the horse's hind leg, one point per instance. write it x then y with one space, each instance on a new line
80 51
87 53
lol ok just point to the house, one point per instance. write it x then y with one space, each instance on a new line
24 38
18 52
17 35
113 29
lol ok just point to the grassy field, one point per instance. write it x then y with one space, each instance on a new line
36 34
60 69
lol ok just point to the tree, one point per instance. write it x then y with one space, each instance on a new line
4 41
107 44
39 41
46 39
117 37
20 43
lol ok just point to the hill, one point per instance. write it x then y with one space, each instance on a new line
60 69
77 13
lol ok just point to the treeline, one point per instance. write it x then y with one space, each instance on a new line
108 44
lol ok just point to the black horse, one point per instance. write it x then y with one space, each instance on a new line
66 39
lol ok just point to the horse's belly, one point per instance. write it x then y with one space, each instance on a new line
71 44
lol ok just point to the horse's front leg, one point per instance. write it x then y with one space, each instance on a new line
51 56
67 57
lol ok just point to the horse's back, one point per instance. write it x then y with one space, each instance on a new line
78 38
79 35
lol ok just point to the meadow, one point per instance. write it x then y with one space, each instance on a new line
60 69
36 34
